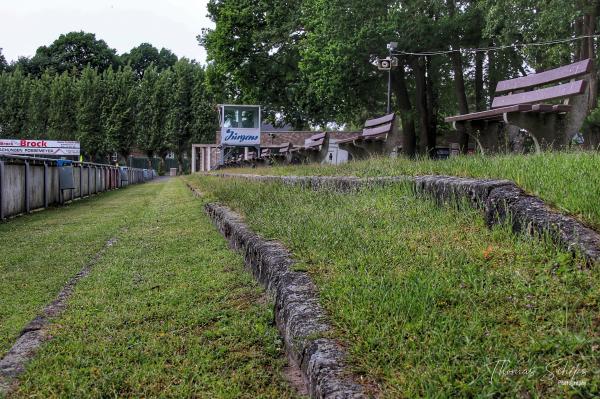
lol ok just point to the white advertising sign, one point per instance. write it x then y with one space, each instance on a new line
240 137
39 147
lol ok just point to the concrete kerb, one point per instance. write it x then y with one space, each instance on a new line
298 314
500 201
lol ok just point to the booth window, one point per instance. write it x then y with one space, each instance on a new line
240 117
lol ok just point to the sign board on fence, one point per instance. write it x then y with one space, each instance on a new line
240 125
39 147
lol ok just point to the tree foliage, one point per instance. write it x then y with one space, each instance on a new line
73 51
143 56
314 61
3 63
114 110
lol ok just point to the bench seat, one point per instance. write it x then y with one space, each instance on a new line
497 113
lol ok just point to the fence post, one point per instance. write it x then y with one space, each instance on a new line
1 189
80 180
45 184
27 186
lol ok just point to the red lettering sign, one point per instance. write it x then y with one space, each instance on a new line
32 143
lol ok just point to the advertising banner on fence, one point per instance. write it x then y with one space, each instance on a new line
39 147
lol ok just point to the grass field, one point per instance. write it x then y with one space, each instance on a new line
568 181
42 251
429 301
168 311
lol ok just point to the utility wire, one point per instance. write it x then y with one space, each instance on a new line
494 48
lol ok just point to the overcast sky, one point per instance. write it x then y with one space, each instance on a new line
122 24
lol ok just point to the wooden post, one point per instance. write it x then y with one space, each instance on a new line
80 180
27 186
45 184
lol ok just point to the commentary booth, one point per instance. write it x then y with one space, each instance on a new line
240 134
240 130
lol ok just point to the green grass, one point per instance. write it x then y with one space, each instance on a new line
168 311
41 252
427 299
570 181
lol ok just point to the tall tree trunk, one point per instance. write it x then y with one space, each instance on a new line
425 144
432 100
409 139
589 50
578 43
461 96
479 97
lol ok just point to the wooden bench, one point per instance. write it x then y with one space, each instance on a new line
529 102
315 149
380 136
276 153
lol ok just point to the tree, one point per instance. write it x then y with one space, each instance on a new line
179 119
341 42
3 63
62 108
15 97
204 116
143 56
145 111
74 51
38 107
89 127
118 110
255 49
161 103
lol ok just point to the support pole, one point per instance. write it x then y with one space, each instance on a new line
389 88
27 186
193 158
80 180
45 184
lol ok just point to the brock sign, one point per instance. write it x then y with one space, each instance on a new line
39 147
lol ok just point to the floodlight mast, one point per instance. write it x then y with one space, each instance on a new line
391 47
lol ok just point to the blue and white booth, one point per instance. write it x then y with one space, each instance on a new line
240 127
